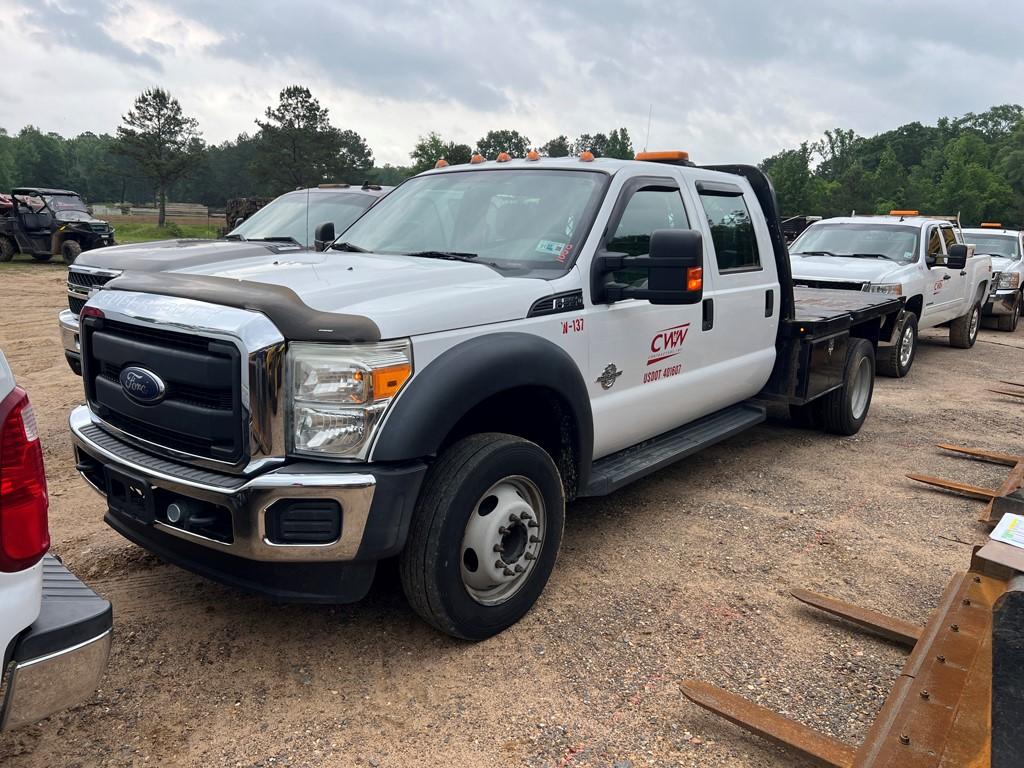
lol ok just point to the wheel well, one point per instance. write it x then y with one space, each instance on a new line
915 304
537 414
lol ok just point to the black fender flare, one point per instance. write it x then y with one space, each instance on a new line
467 374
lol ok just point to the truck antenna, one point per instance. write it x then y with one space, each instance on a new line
648 137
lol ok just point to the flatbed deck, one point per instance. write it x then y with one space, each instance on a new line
823 311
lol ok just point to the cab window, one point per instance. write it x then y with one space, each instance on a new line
732 232
949 236
649 209
934 245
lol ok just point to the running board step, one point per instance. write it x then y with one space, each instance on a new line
613 472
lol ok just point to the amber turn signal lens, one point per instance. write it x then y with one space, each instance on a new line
694 278
387 381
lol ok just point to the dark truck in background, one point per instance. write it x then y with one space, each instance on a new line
49 222
488 342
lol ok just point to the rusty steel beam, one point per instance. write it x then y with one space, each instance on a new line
1008 459
882 624
974 491
1008 394
770 725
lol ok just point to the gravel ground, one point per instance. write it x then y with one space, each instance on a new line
685 574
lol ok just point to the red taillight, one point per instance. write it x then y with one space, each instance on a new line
24 535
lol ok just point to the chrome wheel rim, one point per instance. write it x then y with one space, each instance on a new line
906 346
972 330
861 388
502 540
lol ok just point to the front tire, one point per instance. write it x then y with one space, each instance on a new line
484 536
7 249
844 410
896 360
70 251
963 331
1009 322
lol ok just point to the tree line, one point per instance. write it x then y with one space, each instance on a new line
158 151
972 164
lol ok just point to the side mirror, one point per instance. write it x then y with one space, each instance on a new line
674 266
957 256
323 236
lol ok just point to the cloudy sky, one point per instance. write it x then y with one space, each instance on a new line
729 80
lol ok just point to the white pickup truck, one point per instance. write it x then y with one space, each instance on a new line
487 342
922 259
1006 248
54 631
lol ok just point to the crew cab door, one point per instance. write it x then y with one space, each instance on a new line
950 286
939 298
643 358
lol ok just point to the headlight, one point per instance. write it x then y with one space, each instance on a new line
896 289
1008 280
339 393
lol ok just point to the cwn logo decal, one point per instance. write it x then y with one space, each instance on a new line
667 343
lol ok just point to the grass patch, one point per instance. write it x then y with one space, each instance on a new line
144 232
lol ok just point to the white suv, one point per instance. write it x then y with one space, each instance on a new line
54 631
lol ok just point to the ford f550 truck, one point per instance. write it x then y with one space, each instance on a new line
922 259
487 342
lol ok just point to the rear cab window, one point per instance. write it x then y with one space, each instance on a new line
732 230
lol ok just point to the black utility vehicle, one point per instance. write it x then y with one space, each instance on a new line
49 222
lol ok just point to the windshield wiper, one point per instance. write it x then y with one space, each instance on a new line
872 256
274 239
815 253
348 247
451 255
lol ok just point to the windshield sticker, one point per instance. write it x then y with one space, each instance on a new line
550 247
570 226
564 255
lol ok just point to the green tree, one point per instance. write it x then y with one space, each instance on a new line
39 158
837 150
163 142
298 147
557 147
889 182
496 142
431 148
619 145
596 143
790 174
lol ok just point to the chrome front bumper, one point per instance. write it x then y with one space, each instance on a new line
69 339
1001 302
246 499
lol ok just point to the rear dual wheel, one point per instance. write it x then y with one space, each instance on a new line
484 536
844 410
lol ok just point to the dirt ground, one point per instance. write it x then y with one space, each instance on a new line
685 574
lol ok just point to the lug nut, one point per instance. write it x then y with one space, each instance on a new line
497 548
513 519
519 569
499 563
941 659
529 556
503 530
904 739
509 572
534 538
524 515
533 524
925 695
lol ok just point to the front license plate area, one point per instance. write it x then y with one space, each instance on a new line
130 495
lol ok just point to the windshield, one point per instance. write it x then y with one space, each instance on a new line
897 243
287 215
509 219
995 245
60 203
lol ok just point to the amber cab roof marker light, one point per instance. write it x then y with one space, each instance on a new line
586 156
671 156
991 225
476 158
504 157
533 154
442 163
904 213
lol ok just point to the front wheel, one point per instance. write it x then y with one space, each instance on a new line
484 536
1009 322
7 249
844 410
70 251
895 361
963 331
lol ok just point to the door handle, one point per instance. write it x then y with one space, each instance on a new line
945 277
708 321
769 303
964 273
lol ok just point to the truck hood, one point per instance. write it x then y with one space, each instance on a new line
842 268
173 254
1001 263
403 295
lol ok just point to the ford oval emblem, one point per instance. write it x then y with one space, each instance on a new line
142 386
